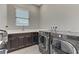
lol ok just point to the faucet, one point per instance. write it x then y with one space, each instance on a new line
54 29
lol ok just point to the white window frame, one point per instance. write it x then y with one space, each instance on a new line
22 17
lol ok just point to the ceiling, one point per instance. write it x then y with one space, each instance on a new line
37 5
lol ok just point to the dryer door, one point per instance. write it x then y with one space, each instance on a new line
63 47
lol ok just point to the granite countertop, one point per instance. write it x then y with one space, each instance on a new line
24 31
45 30
21 31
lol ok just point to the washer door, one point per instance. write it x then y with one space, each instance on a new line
63 47
43 42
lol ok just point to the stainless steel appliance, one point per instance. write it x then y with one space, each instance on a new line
3 41
60 44
44 42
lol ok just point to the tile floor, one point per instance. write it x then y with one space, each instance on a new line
28 50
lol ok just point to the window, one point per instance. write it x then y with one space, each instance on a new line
22 17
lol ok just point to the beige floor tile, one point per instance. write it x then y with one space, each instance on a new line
28 50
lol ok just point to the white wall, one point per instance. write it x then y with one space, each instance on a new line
66 17
3 16
34 16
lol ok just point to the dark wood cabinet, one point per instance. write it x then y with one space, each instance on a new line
12 42
21 40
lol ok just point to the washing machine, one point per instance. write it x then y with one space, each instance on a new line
62 44
44 42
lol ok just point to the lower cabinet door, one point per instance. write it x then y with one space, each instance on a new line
20 42
27 41
13 44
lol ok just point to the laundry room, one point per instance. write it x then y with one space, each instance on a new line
39 29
